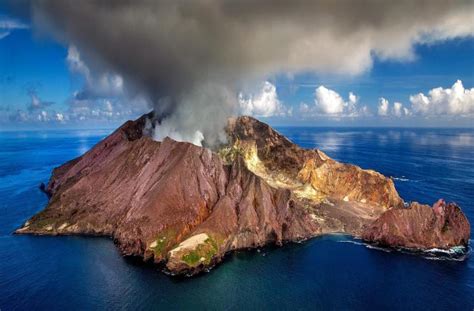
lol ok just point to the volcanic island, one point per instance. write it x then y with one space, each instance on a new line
185 207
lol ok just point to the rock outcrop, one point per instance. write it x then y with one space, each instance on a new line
187 206
420 226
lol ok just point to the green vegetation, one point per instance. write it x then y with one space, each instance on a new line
163 242
203 253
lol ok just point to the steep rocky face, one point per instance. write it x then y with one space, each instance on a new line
420 226
187 206
284 164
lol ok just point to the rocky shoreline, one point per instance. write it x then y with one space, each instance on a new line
187 206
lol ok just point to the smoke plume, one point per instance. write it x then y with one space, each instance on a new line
190 59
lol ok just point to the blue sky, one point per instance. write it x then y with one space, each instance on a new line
435 65
35 69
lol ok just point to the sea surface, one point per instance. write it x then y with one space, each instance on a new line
328 273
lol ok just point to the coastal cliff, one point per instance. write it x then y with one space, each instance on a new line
187 206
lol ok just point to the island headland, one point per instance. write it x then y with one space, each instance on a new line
187 206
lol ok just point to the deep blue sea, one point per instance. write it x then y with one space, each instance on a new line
329 273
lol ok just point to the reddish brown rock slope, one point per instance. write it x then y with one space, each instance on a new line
187 206
421 226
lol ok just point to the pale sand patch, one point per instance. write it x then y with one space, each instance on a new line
23 229
64 225
190 243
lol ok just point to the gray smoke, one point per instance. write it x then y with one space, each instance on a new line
190 58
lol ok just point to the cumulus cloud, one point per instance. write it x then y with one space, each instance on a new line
103 109
101 99
383 107
397 110
170 51
59 117
37 116
455 101
328 102
76 110
263 104
7 25
36 110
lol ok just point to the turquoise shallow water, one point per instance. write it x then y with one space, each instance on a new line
330 273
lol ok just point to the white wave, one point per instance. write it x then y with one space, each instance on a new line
366 245
456 253
438 258
352 242
400 179
383 249
451 251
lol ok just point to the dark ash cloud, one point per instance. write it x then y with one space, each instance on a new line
190 58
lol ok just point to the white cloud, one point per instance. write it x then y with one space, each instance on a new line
79 110
36 116
456 101
43 116
102 97
7 25
264 104
353 99
384 109
329 103
305 108
399 110
60 117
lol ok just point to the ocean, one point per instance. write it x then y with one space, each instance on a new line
328 273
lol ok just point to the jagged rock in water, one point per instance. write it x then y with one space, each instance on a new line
187 206
420 226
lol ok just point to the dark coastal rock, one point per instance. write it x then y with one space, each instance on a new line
187 206
44 189
420 227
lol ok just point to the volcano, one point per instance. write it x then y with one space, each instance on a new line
186 206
